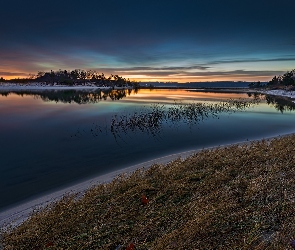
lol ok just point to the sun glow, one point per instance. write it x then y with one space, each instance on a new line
184 79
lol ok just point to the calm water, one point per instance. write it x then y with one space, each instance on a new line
54 140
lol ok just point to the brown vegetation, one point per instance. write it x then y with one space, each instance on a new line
235 197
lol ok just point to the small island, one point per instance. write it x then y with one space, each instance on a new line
73 78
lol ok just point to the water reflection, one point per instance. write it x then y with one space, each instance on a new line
44 147
74 96
151 120
281 104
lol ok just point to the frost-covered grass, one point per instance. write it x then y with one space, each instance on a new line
235 197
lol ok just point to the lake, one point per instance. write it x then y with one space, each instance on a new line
53 139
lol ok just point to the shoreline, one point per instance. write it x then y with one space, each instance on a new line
14 216
90 87
40 88
281 93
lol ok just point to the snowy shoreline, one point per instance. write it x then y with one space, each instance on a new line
41 86
279 92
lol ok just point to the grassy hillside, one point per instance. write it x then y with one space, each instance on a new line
237 197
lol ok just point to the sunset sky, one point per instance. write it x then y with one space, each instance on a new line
167 40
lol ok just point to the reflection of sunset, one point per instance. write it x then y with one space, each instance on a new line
183 94
18 101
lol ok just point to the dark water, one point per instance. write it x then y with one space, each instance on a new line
52 141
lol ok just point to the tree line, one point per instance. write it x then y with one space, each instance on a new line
74 77
287 79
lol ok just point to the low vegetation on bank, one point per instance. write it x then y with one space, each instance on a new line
234 197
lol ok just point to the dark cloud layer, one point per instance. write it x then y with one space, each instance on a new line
160 35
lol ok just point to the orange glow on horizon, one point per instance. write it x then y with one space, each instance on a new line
212 78
179 79
14 77
204 79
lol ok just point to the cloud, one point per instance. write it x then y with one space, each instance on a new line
235 73
168 69
253 60
151 38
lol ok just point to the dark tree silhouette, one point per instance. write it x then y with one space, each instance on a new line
78 76
288 79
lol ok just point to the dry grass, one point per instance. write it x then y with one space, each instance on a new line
237 197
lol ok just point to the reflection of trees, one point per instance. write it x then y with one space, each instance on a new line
70 96
4 93
74 96
281 104
83 97
255 95
117 94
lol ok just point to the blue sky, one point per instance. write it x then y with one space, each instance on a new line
187 40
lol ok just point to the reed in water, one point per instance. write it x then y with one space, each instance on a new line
151 119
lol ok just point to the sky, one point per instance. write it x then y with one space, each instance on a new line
155 40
